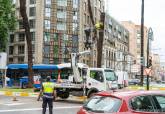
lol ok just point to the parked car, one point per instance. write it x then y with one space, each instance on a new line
130 102
134 81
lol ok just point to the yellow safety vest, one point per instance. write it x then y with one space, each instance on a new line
48 87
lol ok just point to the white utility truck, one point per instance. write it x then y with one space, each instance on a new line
85 81
122 79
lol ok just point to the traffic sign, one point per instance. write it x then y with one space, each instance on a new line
148 71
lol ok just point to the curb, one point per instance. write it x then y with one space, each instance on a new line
144 88
22 94
26 94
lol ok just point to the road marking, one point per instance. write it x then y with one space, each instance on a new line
35 109
13 104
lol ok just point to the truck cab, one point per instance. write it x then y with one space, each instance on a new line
101 79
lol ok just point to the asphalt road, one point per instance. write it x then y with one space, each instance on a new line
27 105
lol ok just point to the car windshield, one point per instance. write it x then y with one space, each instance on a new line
101 104
110 75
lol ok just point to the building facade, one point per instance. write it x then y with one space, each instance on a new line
116 43
57 29
97 7
135 45
156 67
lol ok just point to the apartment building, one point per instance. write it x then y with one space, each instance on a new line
57 29
97 7
135 44
116 43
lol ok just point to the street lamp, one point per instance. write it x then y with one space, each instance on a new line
149 60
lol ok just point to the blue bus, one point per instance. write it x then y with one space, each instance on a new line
18 73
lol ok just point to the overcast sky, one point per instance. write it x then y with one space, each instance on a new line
154 17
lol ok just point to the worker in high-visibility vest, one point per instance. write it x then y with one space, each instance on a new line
48 91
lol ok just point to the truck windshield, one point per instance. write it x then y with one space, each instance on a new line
110 75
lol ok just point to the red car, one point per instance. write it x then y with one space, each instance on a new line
130 102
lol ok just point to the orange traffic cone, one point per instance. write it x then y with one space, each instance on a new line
59 77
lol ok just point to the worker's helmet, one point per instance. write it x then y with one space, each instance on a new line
48 78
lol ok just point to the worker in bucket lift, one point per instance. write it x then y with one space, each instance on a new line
48 92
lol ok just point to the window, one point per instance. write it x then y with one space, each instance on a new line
61 26
61 14
10 60
47 12
97 75
75 27
47 24
103 104
21 37
142 103
32 11
160 103
75 15
46 49
46 36
20 59
48 2
33 48
11 38
138 41
110 75
32 23
11 50
65 37
21 49
32 1
62 2
32 35
75 3
46 60
21 25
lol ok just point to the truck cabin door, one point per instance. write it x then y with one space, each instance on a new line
96 80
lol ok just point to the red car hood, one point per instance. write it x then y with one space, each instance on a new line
83 111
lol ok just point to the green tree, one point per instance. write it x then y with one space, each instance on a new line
7 21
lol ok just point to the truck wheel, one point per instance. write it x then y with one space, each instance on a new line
91 93
64 95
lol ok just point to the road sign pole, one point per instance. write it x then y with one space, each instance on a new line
147 82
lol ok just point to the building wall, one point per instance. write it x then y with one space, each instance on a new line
48 18
97 7
115 45
156 68
135 42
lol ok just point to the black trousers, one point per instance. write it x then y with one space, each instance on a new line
48 101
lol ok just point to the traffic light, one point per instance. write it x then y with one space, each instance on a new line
149 62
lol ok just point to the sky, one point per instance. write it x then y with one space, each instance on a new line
154 17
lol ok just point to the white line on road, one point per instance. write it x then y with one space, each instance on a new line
13 104
35 109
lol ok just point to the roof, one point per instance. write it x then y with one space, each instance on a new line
124 94
35 66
